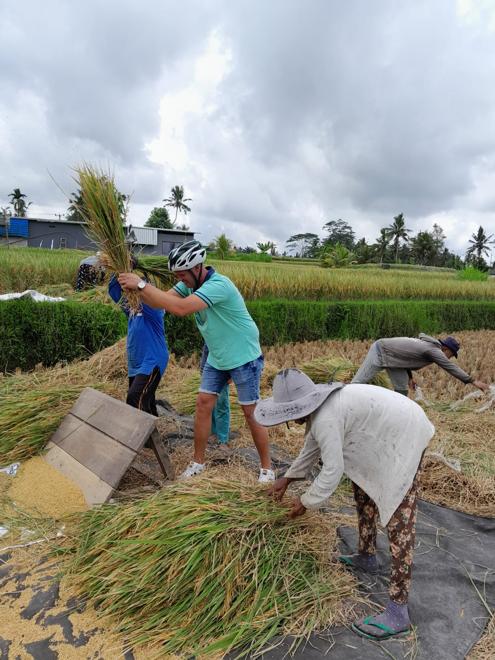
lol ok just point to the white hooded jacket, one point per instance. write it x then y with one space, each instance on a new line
374 436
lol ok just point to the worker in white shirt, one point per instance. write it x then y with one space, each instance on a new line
377 438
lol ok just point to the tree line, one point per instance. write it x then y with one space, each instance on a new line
338 247
394 244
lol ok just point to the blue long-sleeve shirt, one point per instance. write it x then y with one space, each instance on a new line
146 342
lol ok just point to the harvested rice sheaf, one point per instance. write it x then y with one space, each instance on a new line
441 484
34 404
208 567
338 369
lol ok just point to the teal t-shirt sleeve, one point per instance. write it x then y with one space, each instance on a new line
181 289
214 291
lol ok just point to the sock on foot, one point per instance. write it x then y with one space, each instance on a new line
395 616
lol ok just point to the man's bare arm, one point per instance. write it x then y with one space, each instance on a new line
171 302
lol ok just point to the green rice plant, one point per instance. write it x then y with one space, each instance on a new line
156 270
32 268
208 567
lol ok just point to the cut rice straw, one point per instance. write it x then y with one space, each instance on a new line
103 211
209 567
34 404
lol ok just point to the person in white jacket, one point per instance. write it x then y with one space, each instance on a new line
377 438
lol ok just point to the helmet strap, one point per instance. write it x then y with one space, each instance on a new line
197 280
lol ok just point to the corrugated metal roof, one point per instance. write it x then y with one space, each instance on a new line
145 235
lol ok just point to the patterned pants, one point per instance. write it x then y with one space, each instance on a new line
401 535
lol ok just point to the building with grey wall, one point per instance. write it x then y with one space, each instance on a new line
56 234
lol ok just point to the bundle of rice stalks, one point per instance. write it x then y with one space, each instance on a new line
28 419
104 212
339 369
442 485
206 567
155 269
34 404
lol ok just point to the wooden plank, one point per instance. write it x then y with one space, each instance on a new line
68 425
122 422
106 457
162 456
95 490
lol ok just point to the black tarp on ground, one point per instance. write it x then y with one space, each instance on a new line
453 561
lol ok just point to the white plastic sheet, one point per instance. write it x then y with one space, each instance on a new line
35 295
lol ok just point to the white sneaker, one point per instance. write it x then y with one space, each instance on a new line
266 476
192 470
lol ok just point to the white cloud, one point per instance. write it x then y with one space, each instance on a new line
275 117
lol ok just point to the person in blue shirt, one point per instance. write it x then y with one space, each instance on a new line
232 338
147 351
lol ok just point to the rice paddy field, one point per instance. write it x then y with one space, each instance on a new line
34 403
30 268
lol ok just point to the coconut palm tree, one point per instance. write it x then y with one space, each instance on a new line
264 247
398 232
18 201
480 243
381 244
178 201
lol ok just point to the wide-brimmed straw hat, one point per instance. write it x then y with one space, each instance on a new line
294 396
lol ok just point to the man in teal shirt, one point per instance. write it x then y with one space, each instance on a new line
229 332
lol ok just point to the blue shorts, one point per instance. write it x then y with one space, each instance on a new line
246 379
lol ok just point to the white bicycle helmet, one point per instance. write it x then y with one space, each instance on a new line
186 256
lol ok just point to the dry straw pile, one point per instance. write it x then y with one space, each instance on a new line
182 392
34 404
208 567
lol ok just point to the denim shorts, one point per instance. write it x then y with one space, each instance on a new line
246 379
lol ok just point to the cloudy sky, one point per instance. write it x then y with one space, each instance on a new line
275 115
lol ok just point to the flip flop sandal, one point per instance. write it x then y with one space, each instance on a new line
388 632
347 561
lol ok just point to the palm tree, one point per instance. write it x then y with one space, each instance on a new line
178 201
264 247
479 247
222 245
382 243
17 199
397 232
337 256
